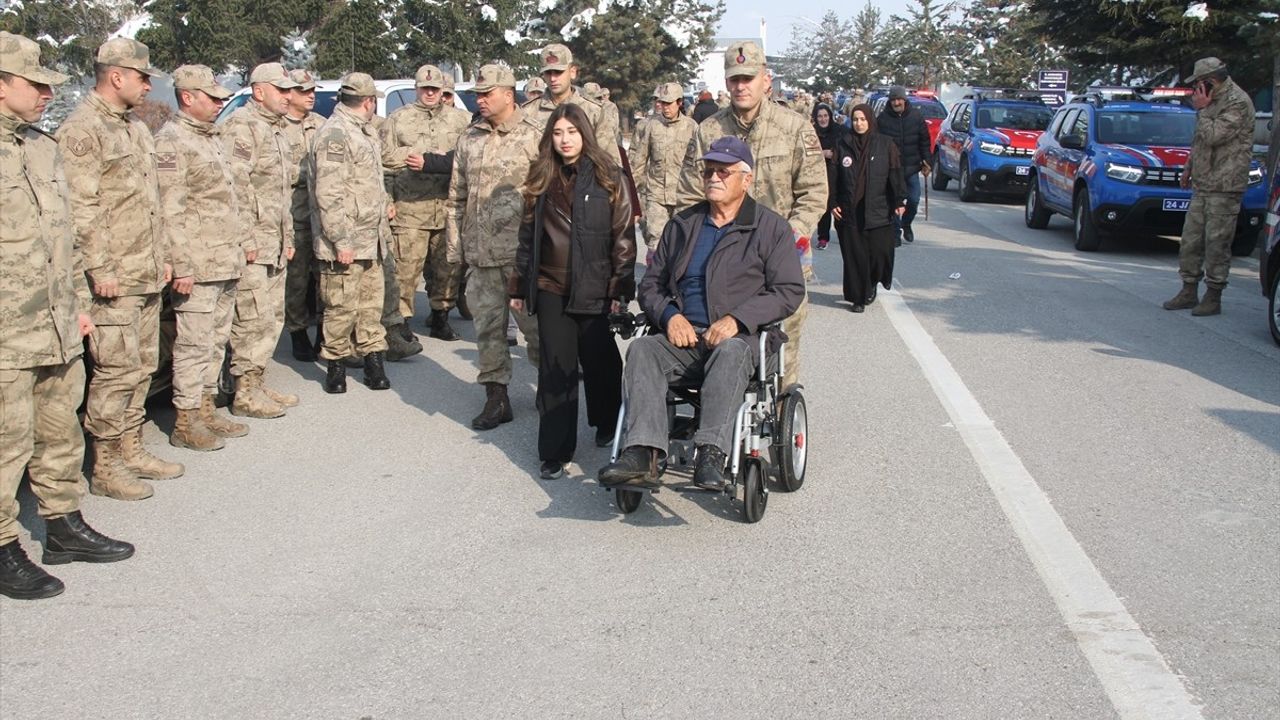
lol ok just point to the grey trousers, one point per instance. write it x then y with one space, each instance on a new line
653 363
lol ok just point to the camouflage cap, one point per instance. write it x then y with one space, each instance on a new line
556 57
127 53
592 91
446 82
1206 66
199 77
359 84
492 76
535 84
21 56
429 76
272 74
668 92
304 78
743 59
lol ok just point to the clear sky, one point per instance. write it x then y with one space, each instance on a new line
742 17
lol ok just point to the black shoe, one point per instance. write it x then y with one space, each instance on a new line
637 465
406 333
604 437
908 234
497 408
303 350
22 579
872 297
511 341
551 469
708 474
859 308
69 538
375 374
440 327
335 380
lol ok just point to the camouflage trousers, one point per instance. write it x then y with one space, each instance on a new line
656 216
125 345
259 318
1207 234
204 327
353 296
487 297
441 278
298 313
39 432
420 251
791 351
391 316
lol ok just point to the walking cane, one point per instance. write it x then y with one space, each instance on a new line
925 180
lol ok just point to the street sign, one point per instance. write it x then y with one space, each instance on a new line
1055 80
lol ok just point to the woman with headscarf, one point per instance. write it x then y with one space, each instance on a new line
868 191
829 132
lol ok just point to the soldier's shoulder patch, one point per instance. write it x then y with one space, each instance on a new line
78 143
811 144
167 161
241 149
334 150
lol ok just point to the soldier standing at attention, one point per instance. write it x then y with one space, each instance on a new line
44 315
351 243
1217 173
656 154
485 209
257 144
115 209
202 219
424 128
300 278
560 72
790 172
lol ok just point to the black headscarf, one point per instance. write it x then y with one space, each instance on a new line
831 133
861 154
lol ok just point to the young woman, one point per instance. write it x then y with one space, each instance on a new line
867 192
574 265
829 133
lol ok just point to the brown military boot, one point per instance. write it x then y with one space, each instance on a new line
110 476
398 348
217 424
282 399
250 400
144 464
497 408
190 432
1211 304
1187 297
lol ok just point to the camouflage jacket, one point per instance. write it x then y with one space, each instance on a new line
351 200
42 282
110 165
201 211
485 204
412 130
606 124
301 134
656 153
1223 143
262 164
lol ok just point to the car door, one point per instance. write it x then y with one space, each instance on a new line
957 132
1052 187
1072 158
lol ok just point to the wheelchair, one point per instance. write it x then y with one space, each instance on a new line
770 437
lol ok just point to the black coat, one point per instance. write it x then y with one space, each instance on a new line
909 132
602 265
885 188
704 109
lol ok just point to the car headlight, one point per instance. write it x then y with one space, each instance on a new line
1255 175
991 147
1124 173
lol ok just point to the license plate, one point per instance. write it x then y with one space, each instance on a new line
1177 205
1022 171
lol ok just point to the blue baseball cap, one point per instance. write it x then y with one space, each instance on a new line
730 150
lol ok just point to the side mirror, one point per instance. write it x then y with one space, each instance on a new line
1072 142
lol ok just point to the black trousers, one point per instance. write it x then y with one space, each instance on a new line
567 341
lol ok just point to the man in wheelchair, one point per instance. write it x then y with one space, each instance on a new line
724 269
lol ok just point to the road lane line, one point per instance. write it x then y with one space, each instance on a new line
1136 677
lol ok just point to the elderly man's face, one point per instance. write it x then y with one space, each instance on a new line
898 104
725 184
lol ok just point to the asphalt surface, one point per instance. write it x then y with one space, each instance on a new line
371 556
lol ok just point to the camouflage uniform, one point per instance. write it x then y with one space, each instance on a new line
558 57
790 173
657 152
301 134
611 116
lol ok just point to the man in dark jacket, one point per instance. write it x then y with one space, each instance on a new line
705 108
724 268
907 127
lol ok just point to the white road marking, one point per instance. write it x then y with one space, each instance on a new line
1136 677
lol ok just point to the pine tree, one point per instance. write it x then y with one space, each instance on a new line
76 28
862 53
1005 47
821 58
296 50
356 36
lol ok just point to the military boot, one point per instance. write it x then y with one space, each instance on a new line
497 408
398 348
440 327
375 375
144 464
303 350
22 579
69 538
335 379
251 402
217 424
1211 304
190 432
110 476
1187 297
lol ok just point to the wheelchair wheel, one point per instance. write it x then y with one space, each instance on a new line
628 500
793 447
754 495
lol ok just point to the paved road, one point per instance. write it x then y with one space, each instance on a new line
1033 494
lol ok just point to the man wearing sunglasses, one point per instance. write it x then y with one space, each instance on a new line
723 269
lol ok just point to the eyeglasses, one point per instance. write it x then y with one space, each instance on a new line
721 172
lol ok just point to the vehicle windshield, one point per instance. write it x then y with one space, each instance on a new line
1146 128
930 110
1014 117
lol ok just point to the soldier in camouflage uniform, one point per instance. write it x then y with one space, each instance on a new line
1217 173
115 208
657 152
410 136
790 172
593 91
300 278
44 315
534 88
351 242
202 219
560 72
262 161
485 208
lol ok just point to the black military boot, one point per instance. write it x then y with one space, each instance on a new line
69 538
303 350
335 379
22 579
375 375
497 408
708 474
637 466
440 327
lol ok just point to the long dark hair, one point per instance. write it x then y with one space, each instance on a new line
549 162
